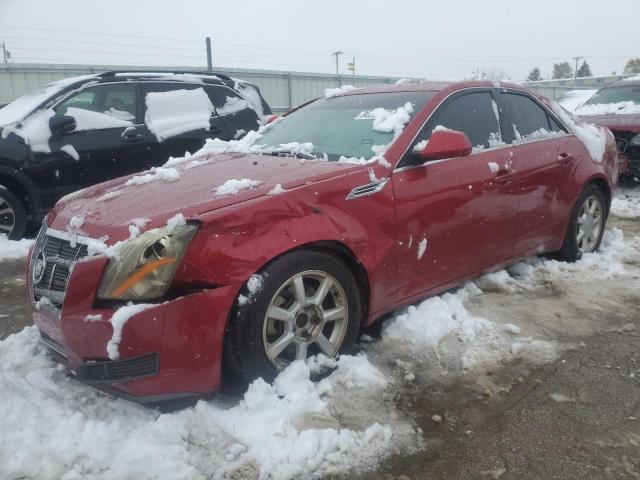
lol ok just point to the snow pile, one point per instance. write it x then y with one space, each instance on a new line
177 220
574 98
254 285
391 120
234 186
277 190
593 137
294 428
540 134
626 203
177 111
619 108
165 174
334 92
12 249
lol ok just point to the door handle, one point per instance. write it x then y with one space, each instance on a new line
565 158
504 176
132 136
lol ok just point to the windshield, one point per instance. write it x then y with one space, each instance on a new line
23 106
343 126
611 95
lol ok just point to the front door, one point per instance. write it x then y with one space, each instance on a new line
455 217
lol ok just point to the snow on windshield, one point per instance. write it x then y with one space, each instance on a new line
575 98
175 112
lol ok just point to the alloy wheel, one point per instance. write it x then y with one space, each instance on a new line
589 225
309 314
7 217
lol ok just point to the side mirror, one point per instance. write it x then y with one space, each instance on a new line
446 144
60 124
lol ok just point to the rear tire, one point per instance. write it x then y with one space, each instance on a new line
586 227
314 307
13 217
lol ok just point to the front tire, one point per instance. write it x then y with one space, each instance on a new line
13 218
586 226
307 303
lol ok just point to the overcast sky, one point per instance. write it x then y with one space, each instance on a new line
418 38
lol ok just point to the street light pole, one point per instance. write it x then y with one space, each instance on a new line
337 54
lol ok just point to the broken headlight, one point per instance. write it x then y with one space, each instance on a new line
143 268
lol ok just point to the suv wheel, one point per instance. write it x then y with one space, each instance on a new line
586 226
308 304
13 218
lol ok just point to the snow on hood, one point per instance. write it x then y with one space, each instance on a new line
619 108
189 187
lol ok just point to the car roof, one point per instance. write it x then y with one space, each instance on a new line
434 86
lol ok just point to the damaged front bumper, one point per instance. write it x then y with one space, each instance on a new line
171 350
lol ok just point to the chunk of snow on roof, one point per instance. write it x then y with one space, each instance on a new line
619 108
13 249
574 98
440 128
277 190
175 112
88 120
422 247
234 186
176 221
118 320
71 151
593 137
334 92
156 173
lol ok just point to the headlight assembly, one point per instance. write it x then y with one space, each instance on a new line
143 268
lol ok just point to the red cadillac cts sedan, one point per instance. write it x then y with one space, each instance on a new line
281 245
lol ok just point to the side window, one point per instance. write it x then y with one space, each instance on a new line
225 100
116 101
173 109
475 114
529 119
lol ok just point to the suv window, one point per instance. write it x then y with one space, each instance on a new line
475 114
226 100
117 101
527 116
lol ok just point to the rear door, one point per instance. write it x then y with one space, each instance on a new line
539 156
453 218
237 113
109 139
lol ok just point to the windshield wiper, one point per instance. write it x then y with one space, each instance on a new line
291 153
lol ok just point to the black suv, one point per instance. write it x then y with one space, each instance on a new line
84 130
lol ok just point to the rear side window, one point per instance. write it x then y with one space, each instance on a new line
226 100
528 119
475 114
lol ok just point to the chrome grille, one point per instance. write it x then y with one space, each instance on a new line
59 253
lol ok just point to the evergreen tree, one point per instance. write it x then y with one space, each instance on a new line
632 66
584 70
534 76
562 70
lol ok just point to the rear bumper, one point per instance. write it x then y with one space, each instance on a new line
171 350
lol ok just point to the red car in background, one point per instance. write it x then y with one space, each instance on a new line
617 107
282 245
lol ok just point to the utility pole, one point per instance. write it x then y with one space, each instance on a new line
575 72
5 53
337 55
209 60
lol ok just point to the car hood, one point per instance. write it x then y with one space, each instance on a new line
187 188
614 121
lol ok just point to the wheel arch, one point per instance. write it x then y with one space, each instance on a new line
603 185
20 185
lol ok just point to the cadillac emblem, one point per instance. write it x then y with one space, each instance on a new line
39 266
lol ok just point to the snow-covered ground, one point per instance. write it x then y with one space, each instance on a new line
11 249
54 427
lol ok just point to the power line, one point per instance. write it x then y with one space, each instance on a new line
98 33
